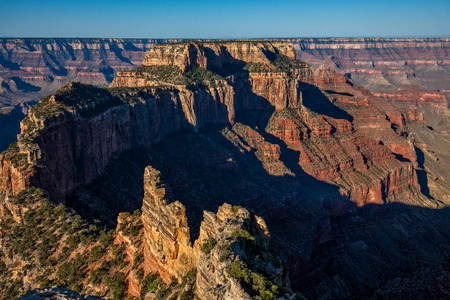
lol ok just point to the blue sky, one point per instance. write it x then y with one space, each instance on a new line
224 19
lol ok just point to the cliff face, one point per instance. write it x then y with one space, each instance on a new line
382 65
34 68
215 56
140 124
223 240
102 126
168 248
310 151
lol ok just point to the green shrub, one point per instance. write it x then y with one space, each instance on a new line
72 271
225 252
187 295
151 283
236 208
209 245
244 234
99 274
239 271
140 274
73 240
106 237
166 73
162 292
190 276
118 286
138 259
97 252
134 229
202 75
255 282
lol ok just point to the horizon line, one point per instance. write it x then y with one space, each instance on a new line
228 38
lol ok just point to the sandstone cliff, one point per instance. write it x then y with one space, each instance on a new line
302 148
225 247
35 68
380 64
129 118
216 55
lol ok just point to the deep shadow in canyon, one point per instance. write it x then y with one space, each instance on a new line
332 248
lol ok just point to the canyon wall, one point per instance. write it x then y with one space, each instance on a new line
84 127
82 147
98 133
223 238
303 148
33 68
382 64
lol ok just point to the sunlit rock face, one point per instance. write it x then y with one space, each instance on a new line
323 107
329 169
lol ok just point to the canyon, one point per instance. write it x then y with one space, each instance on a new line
337 174
34 68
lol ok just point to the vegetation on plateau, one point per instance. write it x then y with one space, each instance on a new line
171 74
87 100
280 63
55 246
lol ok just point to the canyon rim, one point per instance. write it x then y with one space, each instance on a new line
232 170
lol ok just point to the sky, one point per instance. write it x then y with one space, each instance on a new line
224 19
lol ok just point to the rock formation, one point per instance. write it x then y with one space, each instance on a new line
308 150
382 65
274 79
225 238
35 68
216 56
168 248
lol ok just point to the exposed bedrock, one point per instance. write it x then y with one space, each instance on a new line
169 250
70 137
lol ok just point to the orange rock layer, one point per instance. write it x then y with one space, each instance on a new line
340 136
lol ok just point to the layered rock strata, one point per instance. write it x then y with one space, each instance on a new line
152 114
168 249
380 64
33 68
216 56
100 124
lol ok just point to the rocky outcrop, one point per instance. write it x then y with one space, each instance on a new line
99 137
414 96
326 109
168 249
222 241
132 244
381 64
216 55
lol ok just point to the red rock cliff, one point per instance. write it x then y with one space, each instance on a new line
169 251
70 137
